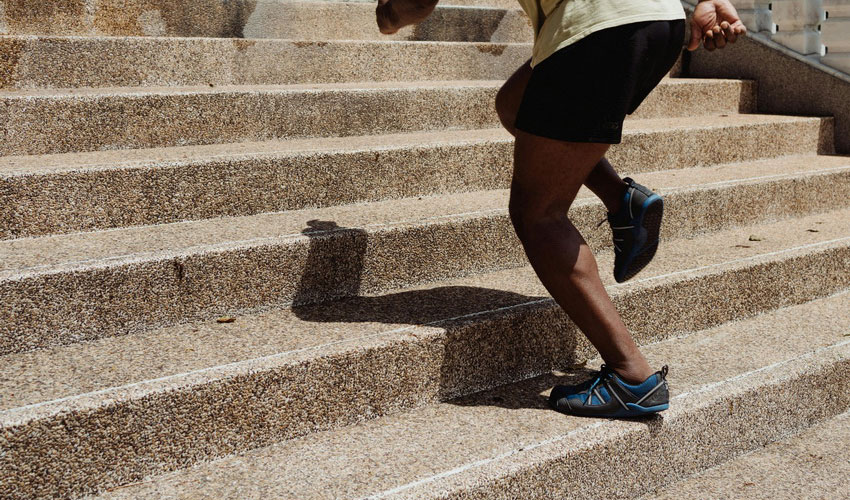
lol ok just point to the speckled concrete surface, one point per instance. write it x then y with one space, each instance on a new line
79 416
46 121
371 363
506 443
786 85
60 62
125 359
84 120
84 191
67 288
812 464
350 21
316 20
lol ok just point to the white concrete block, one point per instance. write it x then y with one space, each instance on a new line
836 8
804 41
794 15
835 34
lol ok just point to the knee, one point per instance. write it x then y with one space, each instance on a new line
532 217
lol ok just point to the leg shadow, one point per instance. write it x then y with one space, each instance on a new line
520 337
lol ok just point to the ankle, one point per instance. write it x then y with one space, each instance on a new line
633 373
614 201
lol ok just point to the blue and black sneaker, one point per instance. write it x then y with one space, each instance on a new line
607 395
636 227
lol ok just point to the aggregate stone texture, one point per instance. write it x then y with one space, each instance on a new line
506 443
69 288
343 318
65 62
52 121
372 369
334 21
100 119
66 193
255 19
786 84
31 379
812 464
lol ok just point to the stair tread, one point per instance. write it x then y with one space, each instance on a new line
812 464
205 350
243 89
98 160
464 442
96 92
75 250
151 40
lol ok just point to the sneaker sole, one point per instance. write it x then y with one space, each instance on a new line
651 222
633 411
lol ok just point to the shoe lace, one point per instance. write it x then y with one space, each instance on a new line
617 230
602 379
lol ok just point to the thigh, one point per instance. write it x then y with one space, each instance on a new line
548 172
510 95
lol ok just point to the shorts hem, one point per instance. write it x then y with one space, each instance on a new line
574 136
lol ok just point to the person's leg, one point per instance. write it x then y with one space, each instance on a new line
547 176
602 180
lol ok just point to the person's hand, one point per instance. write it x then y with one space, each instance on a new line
387 19
715 22
392 15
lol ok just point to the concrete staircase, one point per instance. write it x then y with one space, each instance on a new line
283 268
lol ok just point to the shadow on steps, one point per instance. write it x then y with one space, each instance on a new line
520 337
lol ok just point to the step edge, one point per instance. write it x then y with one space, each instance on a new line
27 414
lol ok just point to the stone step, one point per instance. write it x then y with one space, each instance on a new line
735 387
53 121
313 20
206 389
95 190
501 4
67 62
69 288
812 464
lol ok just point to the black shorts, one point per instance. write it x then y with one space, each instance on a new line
583 92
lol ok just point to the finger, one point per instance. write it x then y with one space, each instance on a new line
709 43
729 33
696 37
720 39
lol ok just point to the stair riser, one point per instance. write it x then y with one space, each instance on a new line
60 124
672 448
252 19
191 190
115 62
112 299
280 399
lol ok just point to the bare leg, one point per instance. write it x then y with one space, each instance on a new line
547 177
602 180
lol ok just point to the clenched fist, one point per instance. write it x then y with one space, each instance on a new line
392 15
715 22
